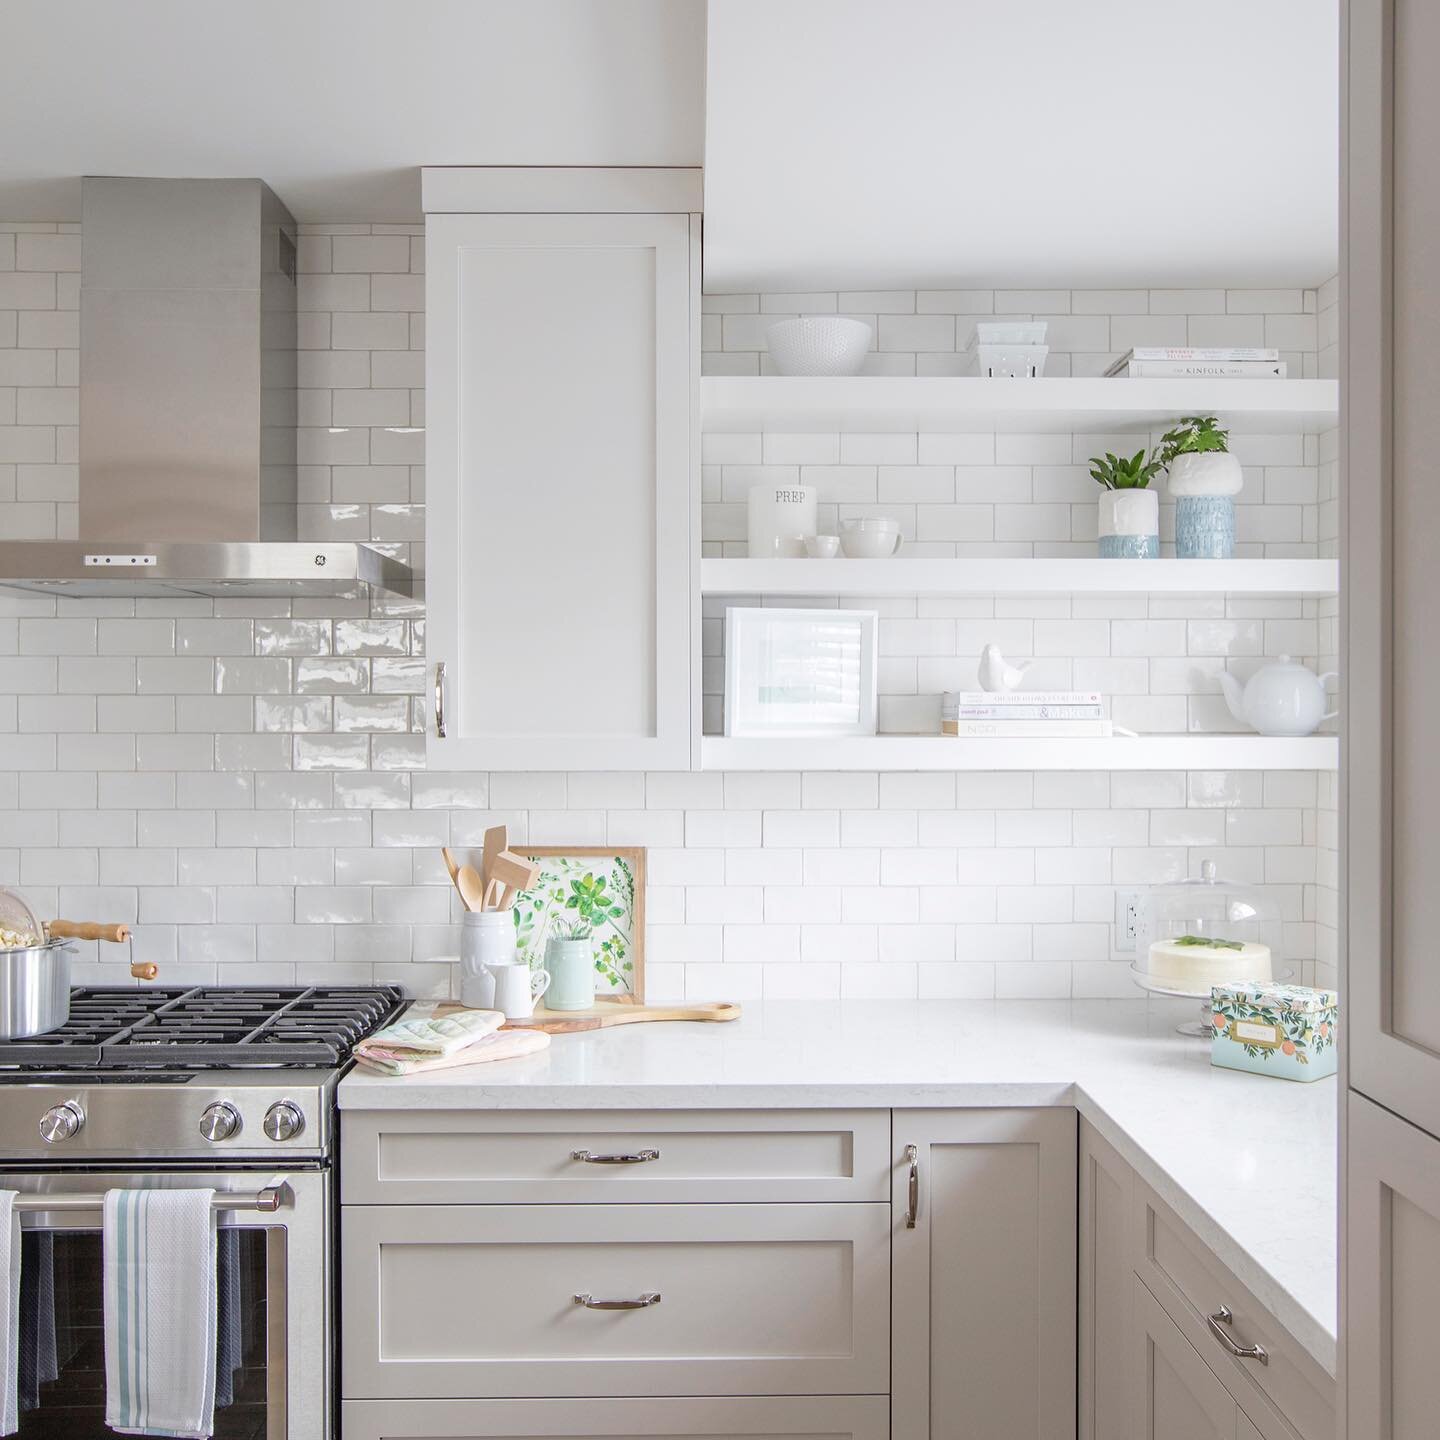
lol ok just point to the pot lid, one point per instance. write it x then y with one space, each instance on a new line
19 929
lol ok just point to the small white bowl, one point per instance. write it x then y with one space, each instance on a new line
822 547
872 538
818 345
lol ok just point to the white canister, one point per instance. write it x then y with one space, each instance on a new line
517 988
487 937
778 520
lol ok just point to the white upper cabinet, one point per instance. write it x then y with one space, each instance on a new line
562 358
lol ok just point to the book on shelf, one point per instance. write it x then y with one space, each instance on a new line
1199 352
1201 370
1027 712
1027 729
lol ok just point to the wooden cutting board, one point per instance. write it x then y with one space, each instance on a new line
605 1013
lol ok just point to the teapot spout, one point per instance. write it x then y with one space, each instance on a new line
1234 694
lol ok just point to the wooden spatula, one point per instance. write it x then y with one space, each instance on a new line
497 841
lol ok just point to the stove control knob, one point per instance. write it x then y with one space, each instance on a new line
61 1122
283 1121
219 1121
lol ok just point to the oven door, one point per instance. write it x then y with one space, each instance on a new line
273 1377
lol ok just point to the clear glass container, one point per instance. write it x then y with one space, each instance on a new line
1195 934
19 928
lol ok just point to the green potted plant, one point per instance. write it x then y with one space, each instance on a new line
1129 525
570 959
1204 477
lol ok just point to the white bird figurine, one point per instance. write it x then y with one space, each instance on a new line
996 674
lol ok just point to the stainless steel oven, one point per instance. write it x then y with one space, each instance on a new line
274 1280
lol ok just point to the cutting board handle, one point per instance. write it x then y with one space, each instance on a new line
88 930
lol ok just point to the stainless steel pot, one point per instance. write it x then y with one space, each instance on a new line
34 989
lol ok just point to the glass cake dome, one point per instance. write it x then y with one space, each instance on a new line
1194 934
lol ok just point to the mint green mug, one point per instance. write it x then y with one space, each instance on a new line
571 964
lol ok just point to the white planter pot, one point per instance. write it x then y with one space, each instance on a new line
1129 524
1214 473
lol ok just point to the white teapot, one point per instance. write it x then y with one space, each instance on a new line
1283 698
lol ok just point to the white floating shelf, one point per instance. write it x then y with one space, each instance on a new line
942 752
949 404
903 576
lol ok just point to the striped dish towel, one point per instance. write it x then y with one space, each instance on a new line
160 1312
9 1314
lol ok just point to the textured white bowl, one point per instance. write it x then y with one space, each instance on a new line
818 345
872 538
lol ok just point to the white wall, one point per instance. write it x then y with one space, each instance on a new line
244 780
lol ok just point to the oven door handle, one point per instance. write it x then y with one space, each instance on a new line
266 1201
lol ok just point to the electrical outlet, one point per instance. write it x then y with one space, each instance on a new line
1127 919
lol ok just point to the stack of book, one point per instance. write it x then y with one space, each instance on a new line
1023 714
1199 362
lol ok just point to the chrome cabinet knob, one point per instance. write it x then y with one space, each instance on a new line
61 1122
283 1121
219 1122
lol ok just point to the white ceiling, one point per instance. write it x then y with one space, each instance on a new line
853 144
336 103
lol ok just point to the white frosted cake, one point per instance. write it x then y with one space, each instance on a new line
1196 962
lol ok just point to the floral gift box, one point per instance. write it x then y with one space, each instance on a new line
1272 1029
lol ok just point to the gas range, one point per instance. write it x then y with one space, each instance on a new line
215 1074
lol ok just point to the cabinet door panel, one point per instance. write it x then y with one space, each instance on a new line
1105 1283
1175 1395
983 1290
1392 1275
559 462
1391 585
475 1301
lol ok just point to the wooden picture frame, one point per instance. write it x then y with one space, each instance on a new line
631 856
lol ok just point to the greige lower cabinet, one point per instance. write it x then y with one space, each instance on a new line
725 1274
983 1285
1152 1365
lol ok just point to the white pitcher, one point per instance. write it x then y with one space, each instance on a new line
517 988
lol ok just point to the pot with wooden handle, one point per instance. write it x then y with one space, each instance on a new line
35 966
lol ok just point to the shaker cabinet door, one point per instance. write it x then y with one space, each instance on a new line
1174 1394
560 459
1391 799
983 1282
1391 1249
1106 1279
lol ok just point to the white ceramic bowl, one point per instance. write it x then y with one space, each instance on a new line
872 538
818 345
822 547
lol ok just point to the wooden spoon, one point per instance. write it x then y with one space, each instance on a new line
472 890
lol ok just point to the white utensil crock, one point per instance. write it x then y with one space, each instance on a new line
487 938
517 988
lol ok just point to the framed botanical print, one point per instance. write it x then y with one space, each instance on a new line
602 886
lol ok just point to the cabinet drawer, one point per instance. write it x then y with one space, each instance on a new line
1191 1284
414 1157
862 1417
476 1302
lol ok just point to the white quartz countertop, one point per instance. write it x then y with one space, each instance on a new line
1247 1161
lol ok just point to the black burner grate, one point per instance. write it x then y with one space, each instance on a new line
208 1026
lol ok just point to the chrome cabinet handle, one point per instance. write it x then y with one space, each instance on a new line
912 1210
641 1302
440 700
639 1157
1241 1352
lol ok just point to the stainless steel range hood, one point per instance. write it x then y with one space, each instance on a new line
188 406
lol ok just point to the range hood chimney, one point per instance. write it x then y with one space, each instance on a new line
188 406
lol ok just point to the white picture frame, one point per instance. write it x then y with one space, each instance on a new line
800 672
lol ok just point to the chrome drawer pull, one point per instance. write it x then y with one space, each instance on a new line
650 1297
638 1158
912 1210
1241 1352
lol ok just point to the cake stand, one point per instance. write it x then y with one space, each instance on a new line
1204 1027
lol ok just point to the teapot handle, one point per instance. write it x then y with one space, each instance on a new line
1329 675
1330 715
